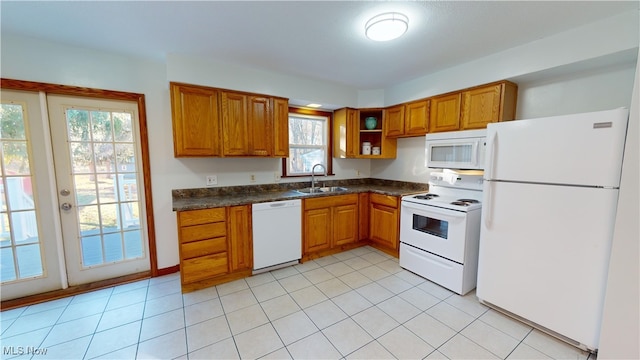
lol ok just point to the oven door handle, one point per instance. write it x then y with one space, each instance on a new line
451 214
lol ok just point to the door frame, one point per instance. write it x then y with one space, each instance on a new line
12 84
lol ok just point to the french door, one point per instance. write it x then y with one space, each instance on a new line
98 187
89 206
29 230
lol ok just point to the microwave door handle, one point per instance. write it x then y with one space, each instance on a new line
476 154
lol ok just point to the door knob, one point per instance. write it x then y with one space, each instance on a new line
66 206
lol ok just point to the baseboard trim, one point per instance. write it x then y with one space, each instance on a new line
169 270
71 291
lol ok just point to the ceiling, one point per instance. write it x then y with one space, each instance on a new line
314 39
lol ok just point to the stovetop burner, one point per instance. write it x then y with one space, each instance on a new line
470 201
426 196
465 202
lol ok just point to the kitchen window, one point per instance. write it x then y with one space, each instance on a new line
309 142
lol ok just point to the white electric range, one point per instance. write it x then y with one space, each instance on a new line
440 231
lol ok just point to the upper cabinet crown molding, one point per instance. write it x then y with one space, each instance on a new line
223 123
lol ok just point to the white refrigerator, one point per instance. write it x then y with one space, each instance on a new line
549 207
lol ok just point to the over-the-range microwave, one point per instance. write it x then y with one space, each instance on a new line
463 150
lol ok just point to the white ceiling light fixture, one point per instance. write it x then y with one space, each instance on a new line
386 26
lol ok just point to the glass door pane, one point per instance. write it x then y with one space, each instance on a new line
105 185
20 242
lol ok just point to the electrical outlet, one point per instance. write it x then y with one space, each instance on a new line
211 180
276 177
252 178
357 172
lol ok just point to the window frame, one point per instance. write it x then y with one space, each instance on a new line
329 152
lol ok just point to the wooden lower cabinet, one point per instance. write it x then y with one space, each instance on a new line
241 237
345 224
384 222
215 246
330 225
316 229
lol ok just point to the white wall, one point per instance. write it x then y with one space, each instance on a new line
620 332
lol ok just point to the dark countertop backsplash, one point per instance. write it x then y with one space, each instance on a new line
203 198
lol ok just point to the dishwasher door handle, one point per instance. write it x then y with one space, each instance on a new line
278 204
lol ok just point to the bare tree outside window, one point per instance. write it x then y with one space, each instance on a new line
308 142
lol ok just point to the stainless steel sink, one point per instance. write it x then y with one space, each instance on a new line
325 189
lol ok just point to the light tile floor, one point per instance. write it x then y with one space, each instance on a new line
354 305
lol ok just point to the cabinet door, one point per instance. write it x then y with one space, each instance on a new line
235 126
480 107
240 239
394 121
384 221
317 230
260 126
346 133
196 126
416 118
345 224
280 127
445 113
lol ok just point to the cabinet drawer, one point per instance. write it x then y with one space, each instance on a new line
387 200
201 232
203 247
204 267
197 217
330 201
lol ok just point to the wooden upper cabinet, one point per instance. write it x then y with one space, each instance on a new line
350 132
416 118
260 126
196 126
394 121
217 123
445 113
488 104
235 124
247 125
280 127
345 133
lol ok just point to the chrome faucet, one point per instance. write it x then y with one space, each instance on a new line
313 173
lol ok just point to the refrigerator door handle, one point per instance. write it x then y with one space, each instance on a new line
491 144
487 206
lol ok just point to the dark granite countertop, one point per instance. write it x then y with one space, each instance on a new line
204 198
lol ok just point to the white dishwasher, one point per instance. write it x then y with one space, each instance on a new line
277 234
